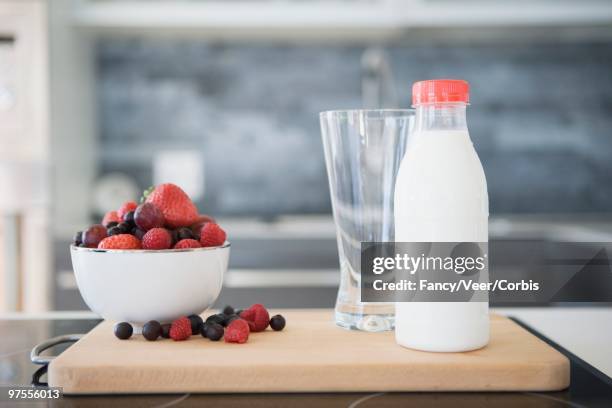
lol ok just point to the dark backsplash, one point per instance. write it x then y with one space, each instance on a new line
541 117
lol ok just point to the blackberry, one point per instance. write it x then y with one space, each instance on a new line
228 310
123 330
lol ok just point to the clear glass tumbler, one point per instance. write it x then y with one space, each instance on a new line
363 151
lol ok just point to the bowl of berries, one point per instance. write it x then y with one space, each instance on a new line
157 260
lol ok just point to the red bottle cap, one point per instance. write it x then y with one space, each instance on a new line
440 91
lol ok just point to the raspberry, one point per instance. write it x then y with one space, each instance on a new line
126 208
187 243
212 235
257 317
180 329
156 238
121 241
237 332
109 217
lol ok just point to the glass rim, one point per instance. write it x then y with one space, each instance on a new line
396 112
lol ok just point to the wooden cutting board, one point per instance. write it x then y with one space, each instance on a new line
310 355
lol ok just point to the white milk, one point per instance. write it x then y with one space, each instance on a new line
441 196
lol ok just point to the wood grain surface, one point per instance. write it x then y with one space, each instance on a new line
310 355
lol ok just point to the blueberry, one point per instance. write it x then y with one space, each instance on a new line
114 231
111 224
184 233
138 233
128 218
78 238
216 318
277 323
230 318
124 227
214 332
203 327
196 321
123 330
228 310
174 235
151 330
165 330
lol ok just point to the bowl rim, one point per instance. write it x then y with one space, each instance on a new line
227 244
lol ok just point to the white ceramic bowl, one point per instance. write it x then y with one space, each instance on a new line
138 286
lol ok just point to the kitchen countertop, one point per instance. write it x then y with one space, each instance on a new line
585 332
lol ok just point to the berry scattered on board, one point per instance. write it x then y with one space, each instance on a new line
237 332
151 330
123 330
214 332
257 317
180 329
228 325
277 322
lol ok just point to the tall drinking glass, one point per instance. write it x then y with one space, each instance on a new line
363 150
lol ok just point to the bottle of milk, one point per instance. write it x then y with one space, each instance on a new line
441 196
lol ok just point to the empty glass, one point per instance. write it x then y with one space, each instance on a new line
363 150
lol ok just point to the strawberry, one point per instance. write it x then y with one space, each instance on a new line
212 235
157 238
175 204
120 241
180 329
126 208
257 317
109 217
237 331
187 243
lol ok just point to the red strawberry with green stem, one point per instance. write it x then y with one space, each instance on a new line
175 204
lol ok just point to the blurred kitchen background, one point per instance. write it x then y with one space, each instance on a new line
101 99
